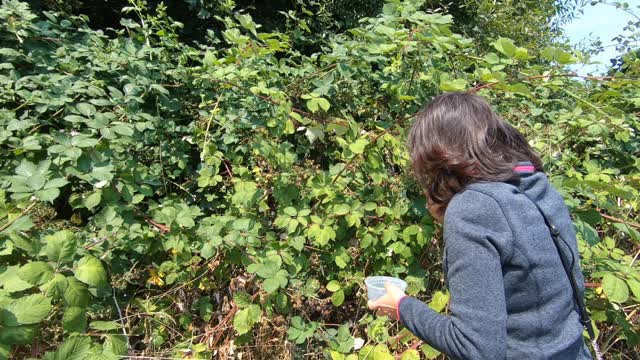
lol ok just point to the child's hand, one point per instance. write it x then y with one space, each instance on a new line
387 304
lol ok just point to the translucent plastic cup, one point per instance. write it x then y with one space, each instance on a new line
375 285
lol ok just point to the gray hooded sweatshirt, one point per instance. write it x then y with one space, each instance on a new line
510 296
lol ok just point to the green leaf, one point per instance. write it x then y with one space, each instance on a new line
115 345
36 273
244 319
429 352
104 325
333 286
242 299
492 58
586 232
73 348
411 354
521 54
634 286
22 335
271 285
505 46
11 282
93 199
86 109
26 310
453 85
90 271
324 104
48 194
246 193
74 319
439 301
210 247
60 246
312 105
377 352
76 293
342 209
36 182
325 234
56 287
56 183
338 297
123 130
615 288
358 146
83 141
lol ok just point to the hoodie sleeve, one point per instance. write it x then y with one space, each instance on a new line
477 238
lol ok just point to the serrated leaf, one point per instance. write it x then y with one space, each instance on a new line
19 335
312 105
453 85
56 287
10 281
505 46
333 286
73 348
358 146
244 319
76 293
86 109
36 182
338 297
61 246
93 199
439 301
324 103
115 345
26 310
36 273
615 288
429 352
586 232
342 209
634 286
242 299
74 319
90 271
47 194
104 325
411 354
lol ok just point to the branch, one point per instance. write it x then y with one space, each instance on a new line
23 213
615 219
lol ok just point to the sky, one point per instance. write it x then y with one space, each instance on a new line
599 21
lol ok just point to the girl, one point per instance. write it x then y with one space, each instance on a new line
511 297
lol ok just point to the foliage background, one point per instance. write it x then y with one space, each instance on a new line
222 185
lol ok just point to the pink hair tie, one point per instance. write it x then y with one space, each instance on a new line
524 168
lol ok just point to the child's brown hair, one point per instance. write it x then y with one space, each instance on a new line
457 139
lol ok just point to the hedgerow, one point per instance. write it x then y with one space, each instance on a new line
168 199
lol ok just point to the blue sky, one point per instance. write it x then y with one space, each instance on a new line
599 21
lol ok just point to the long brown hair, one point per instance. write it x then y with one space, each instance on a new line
457 140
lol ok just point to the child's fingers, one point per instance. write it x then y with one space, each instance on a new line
372 304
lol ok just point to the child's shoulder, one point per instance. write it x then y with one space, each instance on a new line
496 190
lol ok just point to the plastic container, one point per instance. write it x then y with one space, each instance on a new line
375 285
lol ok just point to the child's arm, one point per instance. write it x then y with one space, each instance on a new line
477 235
